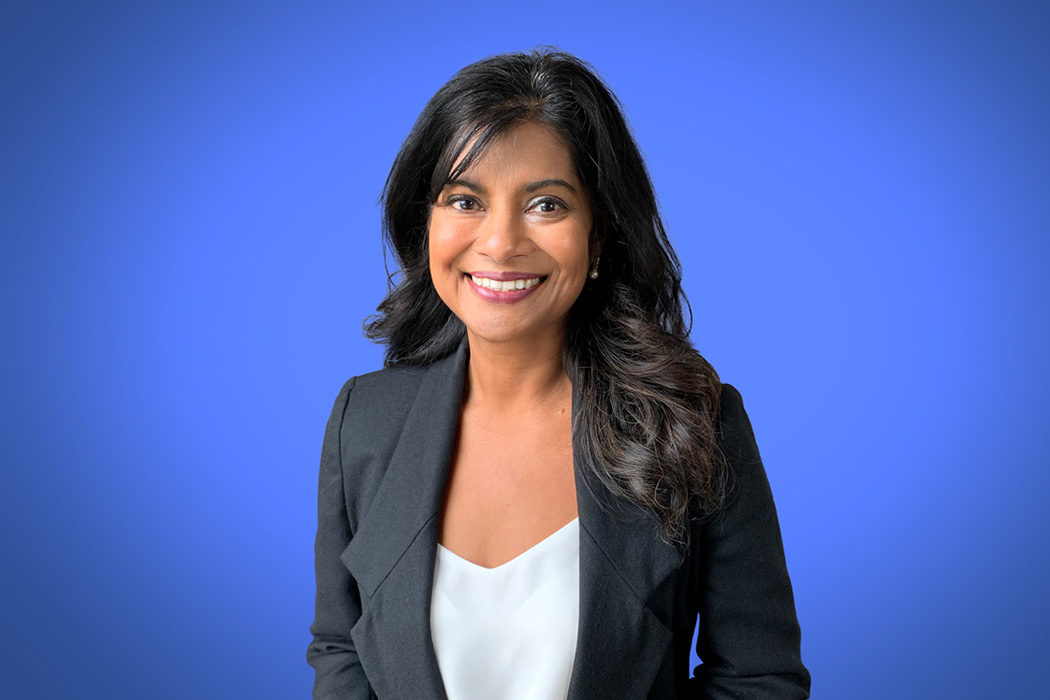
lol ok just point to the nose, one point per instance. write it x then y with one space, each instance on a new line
503 234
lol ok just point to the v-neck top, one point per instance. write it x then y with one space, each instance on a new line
508 632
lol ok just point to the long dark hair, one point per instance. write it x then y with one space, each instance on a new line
646 398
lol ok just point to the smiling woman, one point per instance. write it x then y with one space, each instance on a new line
547 484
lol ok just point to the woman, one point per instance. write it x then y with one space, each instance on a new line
547 484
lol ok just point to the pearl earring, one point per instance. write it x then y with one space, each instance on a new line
594 270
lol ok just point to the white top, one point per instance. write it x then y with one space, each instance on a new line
508 632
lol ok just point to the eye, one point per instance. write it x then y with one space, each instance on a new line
548 205
462 202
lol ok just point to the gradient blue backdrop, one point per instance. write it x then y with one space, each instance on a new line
860 196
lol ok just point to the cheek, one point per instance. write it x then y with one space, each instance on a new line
575 255
444 246
574 263
445 243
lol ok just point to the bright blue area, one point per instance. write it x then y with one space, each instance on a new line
859 195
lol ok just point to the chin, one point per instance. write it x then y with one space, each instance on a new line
509 332
495 335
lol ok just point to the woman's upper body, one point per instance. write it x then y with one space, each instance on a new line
538 332
384 466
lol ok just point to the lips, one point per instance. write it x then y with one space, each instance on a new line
504 287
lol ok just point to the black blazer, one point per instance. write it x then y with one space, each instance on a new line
384 464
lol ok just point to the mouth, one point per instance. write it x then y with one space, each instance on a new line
505 284
504 287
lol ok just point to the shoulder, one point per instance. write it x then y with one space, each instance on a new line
371 401
388 385
748 494
733 427
386 395
365 426
730 405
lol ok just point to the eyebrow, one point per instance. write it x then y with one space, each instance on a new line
531 187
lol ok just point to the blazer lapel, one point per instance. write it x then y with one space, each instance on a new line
392 553
621 642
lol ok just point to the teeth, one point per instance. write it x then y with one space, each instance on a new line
505 286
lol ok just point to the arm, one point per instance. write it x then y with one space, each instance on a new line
331 653
749 636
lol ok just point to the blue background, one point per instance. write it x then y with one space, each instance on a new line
859 192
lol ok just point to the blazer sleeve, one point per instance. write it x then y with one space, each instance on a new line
338 605
749 639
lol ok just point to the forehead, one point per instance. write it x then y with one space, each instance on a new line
525 151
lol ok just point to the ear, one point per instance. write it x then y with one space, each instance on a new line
597 241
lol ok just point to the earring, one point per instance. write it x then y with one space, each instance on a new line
594 270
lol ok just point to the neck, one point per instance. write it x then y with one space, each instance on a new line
515 375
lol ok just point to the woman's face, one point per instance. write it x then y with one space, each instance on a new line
509 239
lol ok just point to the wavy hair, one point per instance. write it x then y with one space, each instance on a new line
647 400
